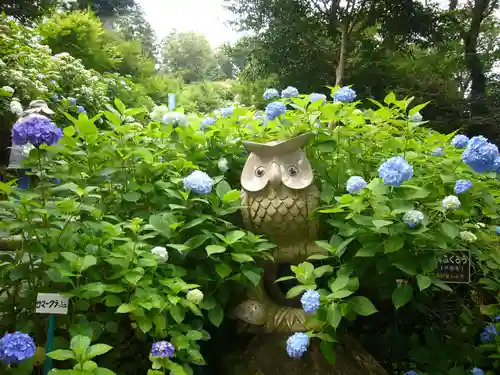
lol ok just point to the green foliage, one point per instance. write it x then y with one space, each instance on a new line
187 55
205 97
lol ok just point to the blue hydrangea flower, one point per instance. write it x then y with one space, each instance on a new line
355 183
226 112
271 93
417 117
413 218
460 141
16 347
35 129
480 154
395 171
290 92
297 345
497 229
81 109
40 76
55 98
314 97
198 182
52 82
461 186
275 109
451 202
206 122
438 152
345 95
310 301
72 101
175 118
496 165
477 371
162 349
411 372
488 334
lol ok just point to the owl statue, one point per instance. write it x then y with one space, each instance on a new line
278 200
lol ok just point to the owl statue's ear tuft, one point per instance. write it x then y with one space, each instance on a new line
275 148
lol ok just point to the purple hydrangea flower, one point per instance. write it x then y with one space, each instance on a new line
206 122
290 92
16 347
310 301
411 372
461 186
460 141
345 95
35 129
480 154
81 109
275 109
297 345
355 183
314 97
162 349
488 334
198 182
72 101
395 171
271 93
413 218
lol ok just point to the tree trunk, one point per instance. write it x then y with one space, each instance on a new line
453 4
472 60
340 70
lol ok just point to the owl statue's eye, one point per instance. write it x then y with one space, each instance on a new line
292 170
259 172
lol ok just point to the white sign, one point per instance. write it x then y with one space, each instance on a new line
51 303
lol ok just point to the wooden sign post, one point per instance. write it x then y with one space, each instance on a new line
454 267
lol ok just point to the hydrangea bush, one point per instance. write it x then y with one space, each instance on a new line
142 230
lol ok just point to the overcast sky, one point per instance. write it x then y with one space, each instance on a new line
204 16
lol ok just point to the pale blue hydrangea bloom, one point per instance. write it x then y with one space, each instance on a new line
297 345
395 171
480 154
413 218
438 152
355 183
198 182
460 141
275 109
496 165
55 98
271 93
289 92
310 301
417 117
345 95
175 118
81 109
451 202
72 101
461 186
411 372
314 97
477 371
497 230
226 112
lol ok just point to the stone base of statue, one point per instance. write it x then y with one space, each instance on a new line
266 355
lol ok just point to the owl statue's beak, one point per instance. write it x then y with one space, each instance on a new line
275 175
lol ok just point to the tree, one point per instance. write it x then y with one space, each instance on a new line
27 10
132 25
105 8
187 55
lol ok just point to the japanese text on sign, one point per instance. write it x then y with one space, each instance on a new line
454 267
51 303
